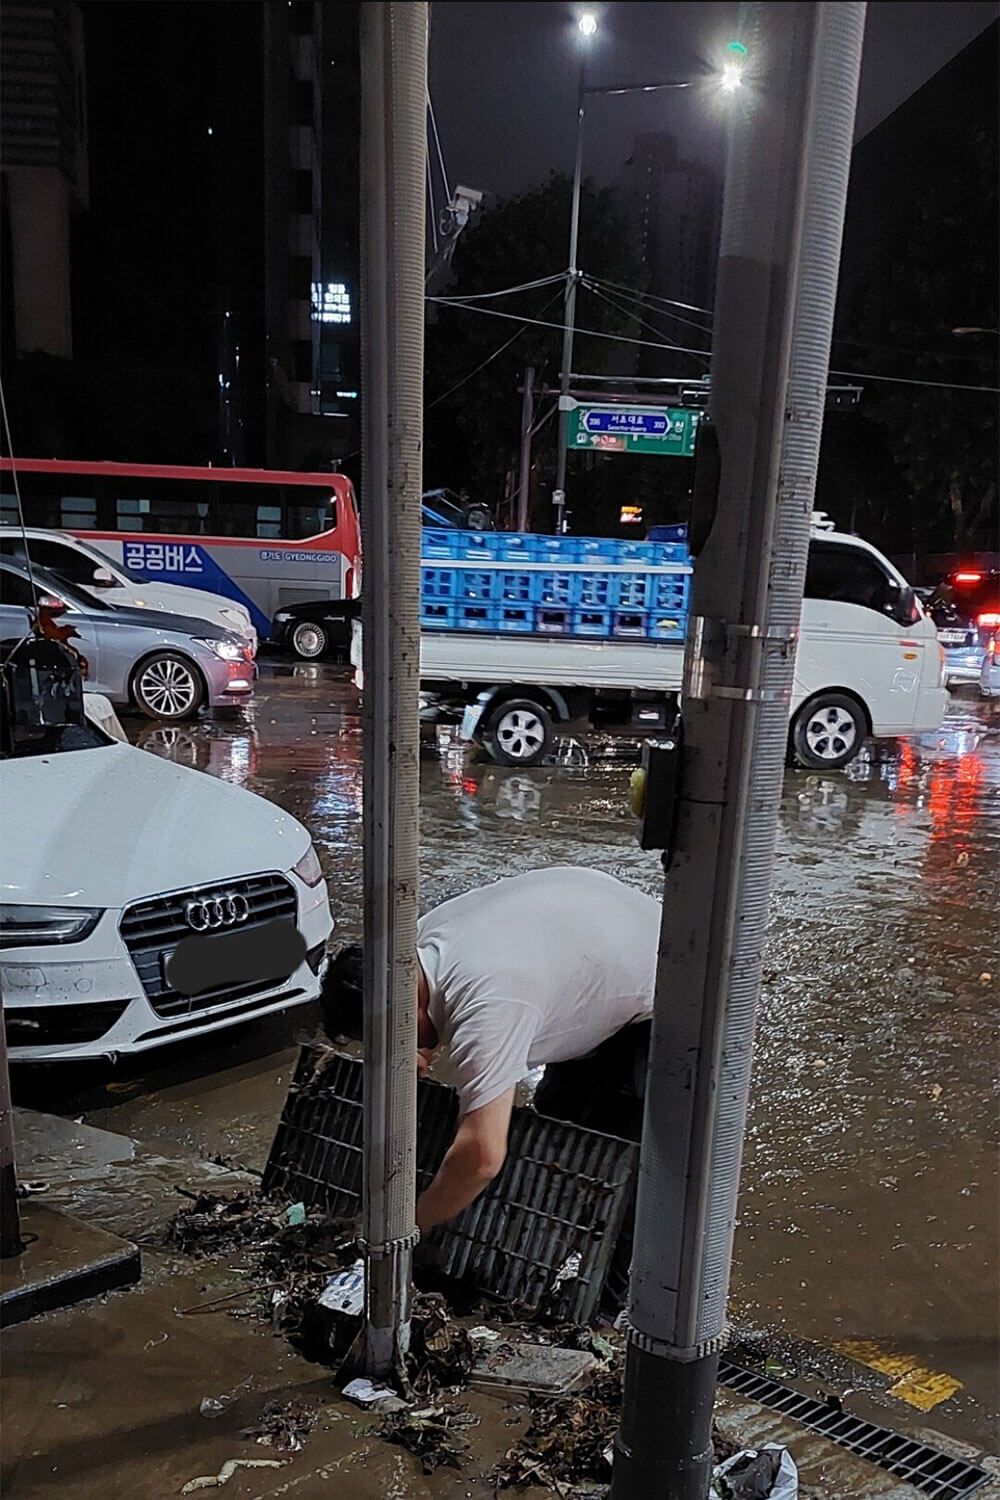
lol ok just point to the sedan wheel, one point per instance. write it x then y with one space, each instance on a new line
167 686
309 640
828 732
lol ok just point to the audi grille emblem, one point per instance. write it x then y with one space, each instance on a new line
210 912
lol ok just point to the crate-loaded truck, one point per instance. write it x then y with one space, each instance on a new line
530 637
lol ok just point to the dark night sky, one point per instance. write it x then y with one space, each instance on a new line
503 77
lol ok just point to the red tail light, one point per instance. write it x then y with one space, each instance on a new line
988 620
967 578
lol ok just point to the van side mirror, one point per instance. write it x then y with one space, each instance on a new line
103 579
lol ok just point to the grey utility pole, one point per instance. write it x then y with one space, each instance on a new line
527 423
569 311
786 185
393 120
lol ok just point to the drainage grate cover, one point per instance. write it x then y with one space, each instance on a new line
562 1193
928 1469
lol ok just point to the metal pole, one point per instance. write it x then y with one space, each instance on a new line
569 312
527 421
10 1216
394 96
785 192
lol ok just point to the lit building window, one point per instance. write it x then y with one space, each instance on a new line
331 302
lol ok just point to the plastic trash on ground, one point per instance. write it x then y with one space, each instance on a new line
765 1473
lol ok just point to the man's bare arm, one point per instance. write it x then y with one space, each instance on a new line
474 1158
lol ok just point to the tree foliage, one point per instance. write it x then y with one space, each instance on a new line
473 416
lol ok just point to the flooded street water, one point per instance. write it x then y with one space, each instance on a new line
868 1206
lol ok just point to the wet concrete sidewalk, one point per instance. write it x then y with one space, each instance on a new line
103 1400
866 1250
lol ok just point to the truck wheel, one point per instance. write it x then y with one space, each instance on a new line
827 732
519 733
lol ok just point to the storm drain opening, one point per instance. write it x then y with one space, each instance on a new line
926 1468
545 1228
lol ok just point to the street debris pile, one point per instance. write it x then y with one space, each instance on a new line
283 1425
431 1433
293 1255
305 1276
569 1439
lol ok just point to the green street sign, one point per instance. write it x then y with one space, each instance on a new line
667 430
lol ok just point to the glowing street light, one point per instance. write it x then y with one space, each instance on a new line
587 23
731 75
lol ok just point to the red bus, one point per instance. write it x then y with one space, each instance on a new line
266 538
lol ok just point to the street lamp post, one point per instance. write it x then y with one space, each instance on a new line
729 80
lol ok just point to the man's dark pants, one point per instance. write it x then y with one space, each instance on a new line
604 1091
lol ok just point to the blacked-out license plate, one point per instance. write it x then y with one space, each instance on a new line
268 954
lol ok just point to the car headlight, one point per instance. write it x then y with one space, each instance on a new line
226 650
282 616
309 868
31 926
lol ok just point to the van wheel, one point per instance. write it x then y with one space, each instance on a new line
827 732
168 686
519 733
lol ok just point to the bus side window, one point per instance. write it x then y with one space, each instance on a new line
9 515
132 515
846 574
308 520
78 512
269 520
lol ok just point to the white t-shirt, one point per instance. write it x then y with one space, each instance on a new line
535 969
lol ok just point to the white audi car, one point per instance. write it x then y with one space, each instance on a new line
142 902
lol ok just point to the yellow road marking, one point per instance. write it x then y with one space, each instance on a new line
912 1382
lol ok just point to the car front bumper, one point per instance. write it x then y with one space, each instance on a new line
228 682
80 1001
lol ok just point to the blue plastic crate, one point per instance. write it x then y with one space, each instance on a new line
632 590
596 549
595 590
592 622
637 552
515 619
630 623
553 549
669 552
437 583
437 616
475 546
436 544
475 616
669 590
553 586
553 620
476 583
514 585
664 626
514 546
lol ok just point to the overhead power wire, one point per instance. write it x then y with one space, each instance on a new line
488 360
643 322
653 303
440 153
592 333
507 291
653 297
936 385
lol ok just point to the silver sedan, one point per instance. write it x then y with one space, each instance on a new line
167 666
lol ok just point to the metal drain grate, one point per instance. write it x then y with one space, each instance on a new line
928 1469
563 1191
